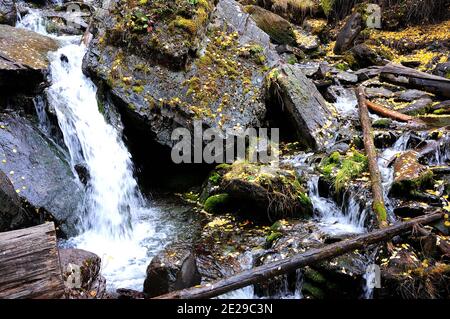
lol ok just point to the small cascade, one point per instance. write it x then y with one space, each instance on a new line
346 101
386 170
44 122
349 218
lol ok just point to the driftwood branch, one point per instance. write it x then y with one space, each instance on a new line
385 112
310 257
29 263
378 205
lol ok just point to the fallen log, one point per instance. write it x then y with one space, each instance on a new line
403 75
378 204
29 264
309 257
385 112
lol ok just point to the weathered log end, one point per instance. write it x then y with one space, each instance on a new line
29 264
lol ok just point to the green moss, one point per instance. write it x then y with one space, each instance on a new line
274 235
382 123
314 276
292 59
138 89
342 66
215 178
223 166
341 169
276 226
313 291
380 211
216 203
327 6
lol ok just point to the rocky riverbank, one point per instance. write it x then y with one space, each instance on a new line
232 65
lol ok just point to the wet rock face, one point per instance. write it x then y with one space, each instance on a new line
409 174
23 58
38 171
172 269
8 12
93 285
303 107
12 215
222 87
264 192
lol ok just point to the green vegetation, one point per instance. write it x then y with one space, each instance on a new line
216 203
341 169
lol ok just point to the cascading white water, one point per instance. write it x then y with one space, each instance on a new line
347 219
115 223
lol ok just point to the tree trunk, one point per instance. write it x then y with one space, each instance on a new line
378 205
29 263
403 75
309 257
385 112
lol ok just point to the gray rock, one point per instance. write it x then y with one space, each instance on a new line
418 107
172 269
309 68
348 33
39 171
442 69
303 107
374 92
346 77
411 95
12 215
8 12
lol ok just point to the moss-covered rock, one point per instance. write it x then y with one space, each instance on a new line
221 78
269 192
409 174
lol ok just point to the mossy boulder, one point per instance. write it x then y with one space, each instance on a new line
270 192
293 10
409 174
280 30
220 84
23 58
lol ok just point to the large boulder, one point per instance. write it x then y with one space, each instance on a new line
293 10
23 58
39 171
172 269
8 12
303 108
221 84
262 191
12 215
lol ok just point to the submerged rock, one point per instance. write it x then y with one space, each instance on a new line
23 58
39 171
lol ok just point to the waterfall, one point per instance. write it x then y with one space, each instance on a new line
116 223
